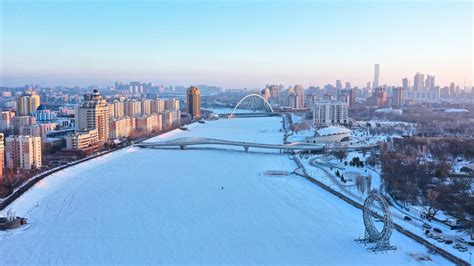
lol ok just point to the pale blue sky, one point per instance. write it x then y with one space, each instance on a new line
233 43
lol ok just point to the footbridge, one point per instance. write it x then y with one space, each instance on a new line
182 143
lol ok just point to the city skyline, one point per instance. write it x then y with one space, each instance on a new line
236 44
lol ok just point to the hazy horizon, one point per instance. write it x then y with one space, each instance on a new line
234 44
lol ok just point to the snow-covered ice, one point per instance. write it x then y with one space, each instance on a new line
192 206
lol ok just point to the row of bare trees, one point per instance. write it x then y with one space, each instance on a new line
418 171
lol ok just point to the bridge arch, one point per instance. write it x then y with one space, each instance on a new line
252 95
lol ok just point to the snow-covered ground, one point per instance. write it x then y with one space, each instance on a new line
192 206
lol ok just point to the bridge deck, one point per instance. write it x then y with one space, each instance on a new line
183 142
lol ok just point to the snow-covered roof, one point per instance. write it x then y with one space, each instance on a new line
332 130
455 110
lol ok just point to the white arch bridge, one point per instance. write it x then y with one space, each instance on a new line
182 143
253 95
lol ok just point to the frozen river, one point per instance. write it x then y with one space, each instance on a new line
191 206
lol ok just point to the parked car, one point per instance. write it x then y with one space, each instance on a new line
462 249
470 243
449 242
407 218
427 226
460 239
441 239
437 230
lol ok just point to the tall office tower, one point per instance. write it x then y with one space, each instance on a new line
419 82
93 113
430 82
376 75
23 152
193 101
157 106
406 84
299 94
27 103
338 84
2 158
398 97
145 107
348 85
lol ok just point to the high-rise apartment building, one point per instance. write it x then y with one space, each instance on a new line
274 94
93 113
157 106
338 84
378 98
172 104
2 158
23 152
122 127
6 120
133 108
145 106
376 75
193 101
299 93
27 103
149 123
117 109
330 113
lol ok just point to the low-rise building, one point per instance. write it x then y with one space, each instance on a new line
82 140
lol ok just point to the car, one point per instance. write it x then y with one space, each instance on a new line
441 239
448 242
460 239
407 218
462 249
470 243
457 246
437 230
435 237
430 235
427 226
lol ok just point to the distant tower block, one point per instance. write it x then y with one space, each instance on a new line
193 101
